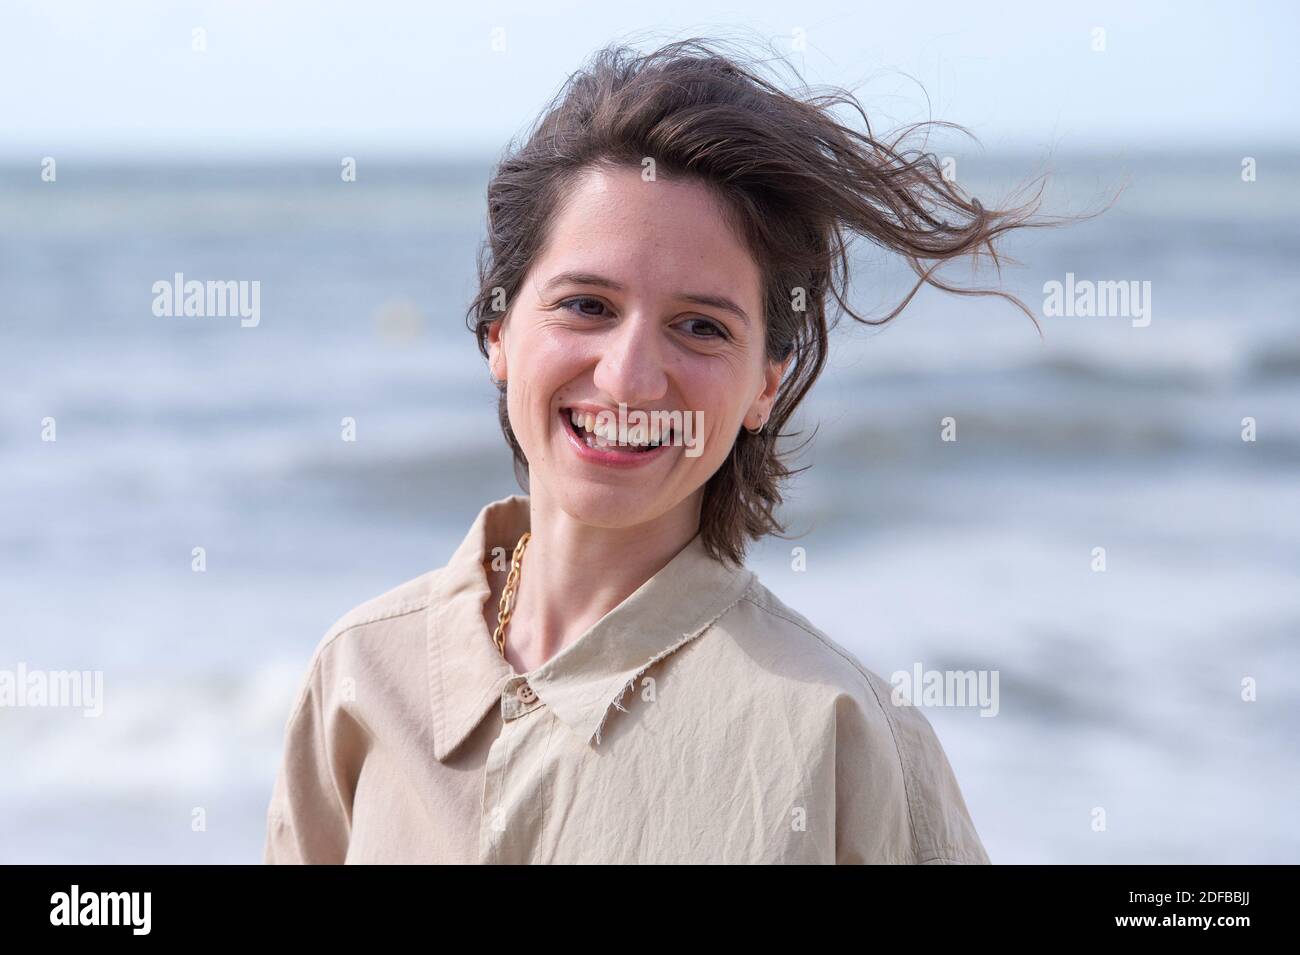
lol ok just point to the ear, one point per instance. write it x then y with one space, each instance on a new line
761 409
497 349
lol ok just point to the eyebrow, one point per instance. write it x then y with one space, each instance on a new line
591 278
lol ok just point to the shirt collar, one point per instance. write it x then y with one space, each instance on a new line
588 677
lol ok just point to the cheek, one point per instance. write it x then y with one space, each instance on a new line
550 353
542 362
558 354
718 396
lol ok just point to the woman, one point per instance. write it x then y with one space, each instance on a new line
595 676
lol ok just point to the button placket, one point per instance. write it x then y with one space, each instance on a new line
510 823
518 698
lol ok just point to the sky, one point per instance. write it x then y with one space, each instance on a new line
280 77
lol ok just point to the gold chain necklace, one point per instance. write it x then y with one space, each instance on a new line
506 607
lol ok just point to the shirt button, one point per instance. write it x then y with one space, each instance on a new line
525 693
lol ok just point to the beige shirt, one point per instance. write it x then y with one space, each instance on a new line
700 720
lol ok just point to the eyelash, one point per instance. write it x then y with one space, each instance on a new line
568 304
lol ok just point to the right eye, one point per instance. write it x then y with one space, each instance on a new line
577 304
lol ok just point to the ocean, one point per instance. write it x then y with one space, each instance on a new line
1120 690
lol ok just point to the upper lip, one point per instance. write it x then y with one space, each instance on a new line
597 409
593 409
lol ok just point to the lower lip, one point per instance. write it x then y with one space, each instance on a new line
610 457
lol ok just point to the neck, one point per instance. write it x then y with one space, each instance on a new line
573 574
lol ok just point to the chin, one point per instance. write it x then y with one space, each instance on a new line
601 505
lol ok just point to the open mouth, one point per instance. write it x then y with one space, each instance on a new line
600 434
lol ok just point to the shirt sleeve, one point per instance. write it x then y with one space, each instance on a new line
308 819
897 797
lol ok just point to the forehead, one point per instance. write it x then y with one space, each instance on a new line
667 235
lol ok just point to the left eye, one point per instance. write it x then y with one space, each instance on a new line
711 328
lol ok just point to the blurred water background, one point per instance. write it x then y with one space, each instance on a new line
1119 690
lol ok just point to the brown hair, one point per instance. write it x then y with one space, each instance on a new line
797 184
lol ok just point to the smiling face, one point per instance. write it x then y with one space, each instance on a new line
645 297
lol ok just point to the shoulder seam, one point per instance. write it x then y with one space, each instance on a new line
903 766
400 610
821 638
336 631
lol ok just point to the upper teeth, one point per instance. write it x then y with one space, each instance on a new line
602 427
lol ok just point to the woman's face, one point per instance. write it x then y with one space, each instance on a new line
643 297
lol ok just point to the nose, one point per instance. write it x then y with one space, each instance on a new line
631 367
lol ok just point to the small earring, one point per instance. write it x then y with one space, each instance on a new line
761 425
